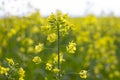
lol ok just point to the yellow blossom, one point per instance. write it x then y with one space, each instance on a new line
29 41
36 60
10 61
52 18
39 47
22 49
11 33
21 78
4 70
35 29
117 73
55 70
48 66
30 49
55 58
45 28
52 37
83 74
71 48
21 73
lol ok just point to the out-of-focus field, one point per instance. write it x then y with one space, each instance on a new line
97 49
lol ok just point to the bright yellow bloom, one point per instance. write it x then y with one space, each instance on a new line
21 73
48 66
10 61
52 18
39 47
21 78
11 33
4 70
83 74
30 49
45 28
22 49
55 70
52 37
55 58
35 29
30 41
117 73
36 60
71 48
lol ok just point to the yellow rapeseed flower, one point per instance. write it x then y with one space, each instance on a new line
48 66
71 48
83 74
55 58
36 59
52 37
21 73
55 70
22 49
11 33
35 29
45 28
10 61
4 70
52 18
21 78
30 49
39 47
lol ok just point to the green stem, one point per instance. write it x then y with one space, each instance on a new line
58 51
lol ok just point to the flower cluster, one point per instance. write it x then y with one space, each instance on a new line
52 37
57 28
4 70
12 70
71 48
21 73
10 61
48 66
60 20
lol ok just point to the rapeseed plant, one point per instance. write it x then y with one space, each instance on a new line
96 45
